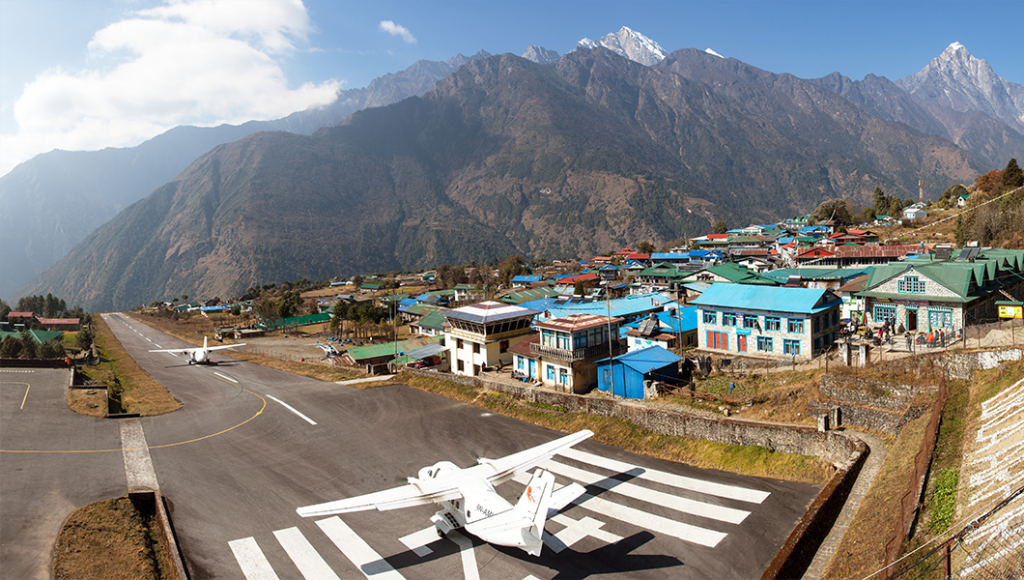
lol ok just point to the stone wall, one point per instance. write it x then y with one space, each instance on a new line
961 365
832 446
875 405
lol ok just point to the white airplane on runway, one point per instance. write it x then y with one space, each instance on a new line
199 355
468 499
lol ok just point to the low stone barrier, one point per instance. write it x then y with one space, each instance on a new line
961 365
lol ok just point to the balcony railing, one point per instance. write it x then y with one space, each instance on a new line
576 354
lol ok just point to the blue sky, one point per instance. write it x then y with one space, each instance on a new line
87 74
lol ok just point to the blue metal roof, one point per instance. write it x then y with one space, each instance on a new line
770 298
618 307
646 360
522 278
684 321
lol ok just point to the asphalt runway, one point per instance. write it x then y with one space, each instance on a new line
252 444
53 462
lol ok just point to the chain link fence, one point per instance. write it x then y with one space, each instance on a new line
987 547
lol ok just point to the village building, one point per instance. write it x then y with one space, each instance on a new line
635 374
778 322
668 329
563 354
478 337
925 293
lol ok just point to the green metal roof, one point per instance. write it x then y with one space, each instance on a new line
529 295
297 321
383 349
40 336
433 320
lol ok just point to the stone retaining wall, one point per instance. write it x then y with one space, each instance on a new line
961 365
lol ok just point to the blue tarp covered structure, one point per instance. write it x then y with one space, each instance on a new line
624 375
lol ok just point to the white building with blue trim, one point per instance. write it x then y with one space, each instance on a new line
767 321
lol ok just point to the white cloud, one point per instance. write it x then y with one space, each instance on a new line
202 62
397 30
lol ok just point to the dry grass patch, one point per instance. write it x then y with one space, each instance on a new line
136 389
306 369
746 460
108 540
89 402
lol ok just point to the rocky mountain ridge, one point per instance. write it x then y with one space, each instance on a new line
504 156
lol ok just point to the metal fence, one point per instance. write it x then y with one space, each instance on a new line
989 546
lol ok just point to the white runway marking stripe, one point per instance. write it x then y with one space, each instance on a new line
306 558
654 523
698 485
292 409
251 560
417 541
469 568
226 378
681 504
357 550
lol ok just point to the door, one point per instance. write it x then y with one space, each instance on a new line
741 343
533 369
911 320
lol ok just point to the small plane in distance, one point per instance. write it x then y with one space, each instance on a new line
468 500
328 349
199 355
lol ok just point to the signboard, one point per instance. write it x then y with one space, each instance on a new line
1010 311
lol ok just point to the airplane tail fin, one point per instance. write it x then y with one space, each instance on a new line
533 504
205 338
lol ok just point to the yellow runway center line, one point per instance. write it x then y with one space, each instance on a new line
119 449
27 387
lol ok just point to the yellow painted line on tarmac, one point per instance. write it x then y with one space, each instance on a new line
27 387
119 449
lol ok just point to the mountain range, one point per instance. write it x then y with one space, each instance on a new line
505 155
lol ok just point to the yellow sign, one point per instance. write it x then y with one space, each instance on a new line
1011 311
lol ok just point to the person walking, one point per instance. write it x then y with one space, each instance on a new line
942 337
910 342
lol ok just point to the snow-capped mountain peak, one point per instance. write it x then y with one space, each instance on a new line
713 53
963 82
539 54
630 44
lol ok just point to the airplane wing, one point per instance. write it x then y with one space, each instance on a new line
501 470
446 487
178 349
390 499
213 348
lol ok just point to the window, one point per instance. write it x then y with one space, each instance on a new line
728 319
911 285
563 376
835 317
772 323
796 325
884 312
817 323
710 317
940 318
764 344
476 348
522 362
791 347
461 366
551 373
749 321
458 343
503 346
